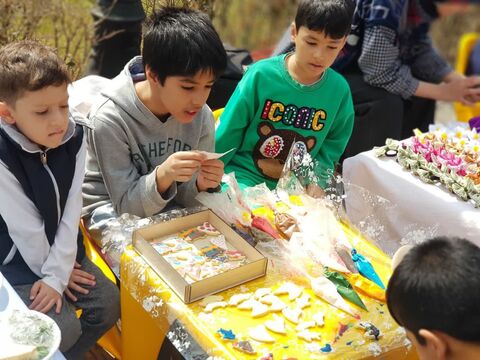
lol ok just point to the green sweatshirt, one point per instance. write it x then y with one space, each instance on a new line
269 111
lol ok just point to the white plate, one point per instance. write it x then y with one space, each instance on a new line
29 316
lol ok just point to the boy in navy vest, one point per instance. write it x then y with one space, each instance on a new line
42 162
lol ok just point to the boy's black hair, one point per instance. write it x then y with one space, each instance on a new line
437 287
182 42
333 17
29 66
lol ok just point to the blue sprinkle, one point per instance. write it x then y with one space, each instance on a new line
226 334
327 348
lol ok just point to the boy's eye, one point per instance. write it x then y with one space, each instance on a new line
41 112
333 47
310 43
188 88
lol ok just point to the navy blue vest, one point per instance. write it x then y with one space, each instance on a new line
38 186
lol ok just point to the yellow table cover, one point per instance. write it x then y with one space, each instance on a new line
149 307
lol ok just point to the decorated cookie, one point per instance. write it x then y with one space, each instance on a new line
219 240
208 229
261 334
292 315
238 298
244 346
192 234
235 255
277 324
226 334
371 331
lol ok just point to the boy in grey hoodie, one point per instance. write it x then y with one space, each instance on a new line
142 152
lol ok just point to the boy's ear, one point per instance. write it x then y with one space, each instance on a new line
293 31
435 343
6 114
150 75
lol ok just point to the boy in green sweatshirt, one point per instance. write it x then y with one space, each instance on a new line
292 99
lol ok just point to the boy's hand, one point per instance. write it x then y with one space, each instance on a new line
44 297
210 175
77 278
180 167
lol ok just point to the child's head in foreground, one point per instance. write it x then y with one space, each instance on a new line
434 293
183 56
33 92
320 31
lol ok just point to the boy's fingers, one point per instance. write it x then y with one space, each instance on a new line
70 295
59 305
84 277
34 290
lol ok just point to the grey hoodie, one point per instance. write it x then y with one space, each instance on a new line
126 144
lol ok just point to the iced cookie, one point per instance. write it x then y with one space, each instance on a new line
238 298
277 324
371 331
261 334
292 315
208 229
235 255
244 346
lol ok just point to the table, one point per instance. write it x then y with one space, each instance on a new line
407 209
150 308
9 300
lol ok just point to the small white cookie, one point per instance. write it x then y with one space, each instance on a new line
259 309
238 298
268 299
308 335
305 325
276 325
262 292
214 305
319 318
210 299
289 288
292 315
247 305
277 305
303 301
261 334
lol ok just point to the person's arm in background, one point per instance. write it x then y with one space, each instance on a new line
236 117
381 65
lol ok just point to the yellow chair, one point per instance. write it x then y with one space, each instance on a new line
465 46
111 340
